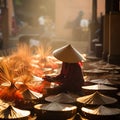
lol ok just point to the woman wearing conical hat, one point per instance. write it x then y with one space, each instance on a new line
71 76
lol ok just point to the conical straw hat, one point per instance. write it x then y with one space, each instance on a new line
11 112
101 110
99 87
61 98
29 94
102 81
68 54
96 99
54 106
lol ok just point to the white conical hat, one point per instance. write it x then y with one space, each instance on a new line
101 110
96 99
102 81
61 98
68 54
29 94
11 112
99 87
54 106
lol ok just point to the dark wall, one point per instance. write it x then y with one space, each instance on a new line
112 6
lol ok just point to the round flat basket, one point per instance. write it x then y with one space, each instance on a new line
55 110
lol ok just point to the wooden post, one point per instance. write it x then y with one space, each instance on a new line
111 32
4 24
114 39
10 15
94 23
105 37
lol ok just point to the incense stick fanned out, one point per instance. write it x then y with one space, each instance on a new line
8 91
